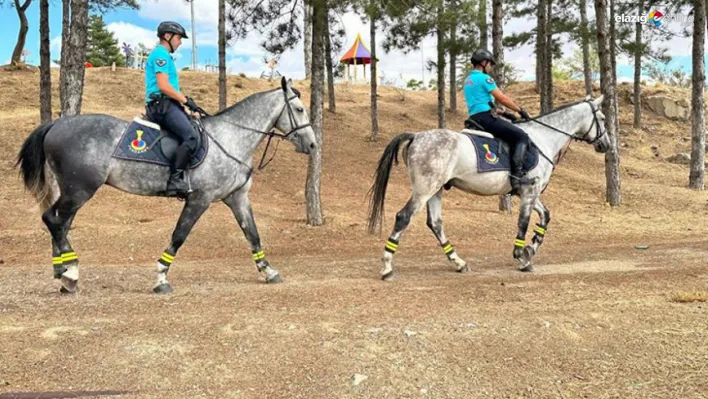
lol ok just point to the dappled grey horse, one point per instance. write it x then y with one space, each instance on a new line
77 151
439 158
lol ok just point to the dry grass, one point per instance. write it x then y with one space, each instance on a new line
690 296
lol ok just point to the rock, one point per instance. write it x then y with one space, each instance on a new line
668 108
409 333
358 379
682 158
2 261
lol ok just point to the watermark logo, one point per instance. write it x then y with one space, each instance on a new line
655 17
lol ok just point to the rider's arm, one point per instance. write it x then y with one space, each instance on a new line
166 88
503 99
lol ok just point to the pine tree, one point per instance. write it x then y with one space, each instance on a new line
103 48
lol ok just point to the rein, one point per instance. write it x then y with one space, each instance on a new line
572 136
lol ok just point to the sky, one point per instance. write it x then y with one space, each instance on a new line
246 56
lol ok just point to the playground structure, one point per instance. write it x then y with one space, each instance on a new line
357 55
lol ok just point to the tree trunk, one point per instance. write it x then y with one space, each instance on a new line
75 58
222 54
308 39
696 178
374 66
613 57
505 204
441 66
453 67
483 27
330 68
540 46
22 35
587 71
638 69
45 72
547 86
609 107
314 167
65 33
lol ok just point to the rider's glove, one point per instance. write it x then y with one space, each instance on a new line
524 114
191 105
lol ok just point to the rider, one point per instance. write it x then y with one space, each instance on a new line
165 100
480 92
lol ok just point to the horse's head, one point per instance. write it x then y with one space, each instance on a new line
594 132
294 122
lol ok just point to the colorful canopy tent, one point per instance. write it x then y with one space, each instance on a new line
358 54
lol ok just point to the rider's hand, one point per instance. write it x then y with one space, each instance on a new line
191 105
524 114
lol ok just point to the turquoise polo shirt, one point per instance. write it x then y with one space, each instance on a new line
477 89
159 61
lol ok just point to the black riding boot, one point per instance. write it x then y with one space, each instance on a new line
518 175
176 186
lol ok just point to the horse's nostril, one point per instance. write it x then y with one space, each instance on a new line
313 146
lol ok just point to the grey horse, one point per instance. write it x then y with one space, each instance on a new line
443 158
63 163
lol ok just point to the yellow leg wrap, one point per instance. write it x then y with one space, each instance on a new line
391 246
519 243
540 231
448 248
69 256
57 260
258 256
167 259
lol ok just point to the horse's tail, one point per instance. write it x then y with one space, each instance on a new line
377 193
31 161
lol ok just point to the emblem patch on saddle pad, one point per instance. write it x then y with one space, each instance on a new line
143 141
491 157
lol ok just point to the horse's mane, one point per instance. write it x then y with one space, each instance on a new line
553 111
244 101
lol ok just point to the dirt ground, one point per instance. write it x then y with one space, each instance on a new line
598 319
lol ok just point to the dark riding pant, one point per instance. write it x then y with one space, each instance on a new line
171 116
500 128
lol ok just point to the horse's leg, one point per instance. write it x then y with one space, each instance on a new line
403 218
527 202
192 211
540 232
58 219
241 207
435 224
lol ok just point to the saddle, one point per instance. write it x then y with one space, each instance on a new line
145 141
493 154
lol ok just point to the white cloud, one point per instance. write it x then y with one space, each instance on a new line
132 34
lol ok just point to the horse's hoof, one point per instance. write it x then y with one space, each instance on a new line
526 269
388 276
274 280
163 289
65 291
463 269
529 252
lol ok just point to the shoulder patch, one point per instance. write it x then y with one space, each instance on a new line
489 80
160 62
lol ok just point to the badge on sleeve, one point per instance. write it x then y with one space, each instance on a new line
160 62
489 80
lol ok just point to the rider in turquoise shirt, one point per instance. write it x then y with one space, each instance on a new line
481 94
164 103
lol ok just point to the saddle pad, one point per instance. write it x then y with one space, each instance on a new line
493 157
141 142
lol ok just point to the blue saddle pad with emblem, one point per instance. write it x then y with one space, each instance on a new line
143 141
494 157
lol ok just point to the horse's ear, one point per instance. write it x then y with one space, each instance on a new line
588 97
290 83
284 84
598 100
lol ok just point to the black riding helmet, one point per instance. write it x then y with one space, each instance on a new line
171 27
482 54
